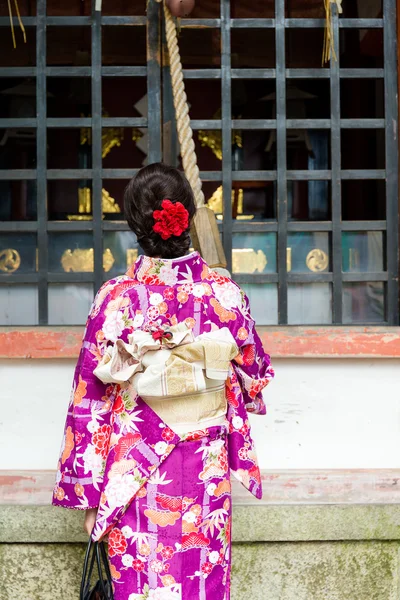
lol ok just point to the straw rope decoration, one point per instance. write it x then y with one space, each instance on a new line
12 22
185 133
329 43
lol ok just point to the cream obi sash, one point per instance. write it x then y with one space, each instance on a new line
181 377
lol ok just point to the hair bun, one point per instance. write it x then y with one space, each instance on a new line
162 194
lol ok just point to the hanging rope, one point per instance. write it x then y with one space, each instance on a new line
205 234
329 42
185 133
12 22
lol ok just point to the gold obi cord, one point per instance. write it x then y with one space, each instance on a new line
188 413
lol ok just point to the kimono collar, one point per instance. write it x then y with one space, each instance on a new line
164 271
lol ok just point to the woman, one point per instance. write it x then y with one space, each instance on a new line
170 364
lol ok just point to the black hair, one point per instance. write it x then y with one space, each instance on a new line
144 194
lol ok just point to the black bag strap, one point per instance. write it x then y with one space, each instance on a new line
96 553
104 558
90 557
102 562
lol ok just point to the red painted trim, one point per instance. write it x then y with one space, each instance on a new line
40 342
332 342
280 342
338 486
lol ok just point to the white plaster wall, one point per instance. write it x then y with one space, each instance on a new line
321 414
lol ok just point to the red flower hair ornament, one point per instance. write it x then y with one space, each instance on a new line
173 219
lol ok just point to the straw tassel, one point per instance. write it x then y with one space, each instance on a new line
12 22
329 43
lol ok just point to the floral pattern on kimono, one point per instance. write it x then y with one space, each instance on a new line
113 442
174 540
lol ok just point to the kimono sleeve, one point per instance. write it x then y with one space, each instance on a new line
252 365
88 423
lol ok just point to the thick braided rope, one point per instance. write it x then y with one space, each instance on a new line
185 133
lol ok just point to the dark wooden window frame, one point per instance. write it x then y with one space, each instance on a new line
282 226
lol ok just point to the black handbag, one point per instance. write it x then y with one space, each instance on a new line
96 555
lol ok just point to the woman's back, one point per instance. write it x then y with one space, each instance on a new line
169 367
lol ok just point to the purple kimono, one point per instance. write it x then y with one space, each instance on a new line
164 500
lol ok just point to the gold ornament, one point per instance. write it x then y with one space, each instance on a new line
288 259
10 260
131 256
317 260
215 202
213 139
108 205
110 137
108 260
136 134
84 200
248 260
82 260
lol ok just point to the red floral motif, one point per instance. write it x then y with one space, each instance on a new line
167 434
138 565
125 444
109 390
167 552
100 440
118 406
223 460
173 219
151 280
244 430
169 293
220 279
231 391
122 288
206 568
117 543
194 540
228 530
257 386
255 473
170 502
78 437
193 436
243 453
249 354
